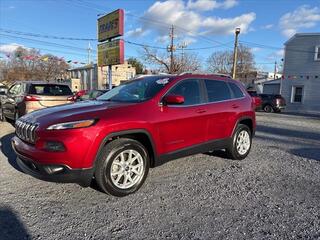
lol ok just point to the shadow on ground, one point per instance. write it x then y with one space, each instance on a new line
288 132
311 115
7 150
217 153
11 227
310 153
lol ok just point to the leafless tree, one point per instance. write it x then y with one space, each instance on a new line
221 62
29 64
181 63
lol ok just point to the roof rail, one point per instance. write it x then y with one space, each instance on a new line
164 73
218 74
184 73
223 75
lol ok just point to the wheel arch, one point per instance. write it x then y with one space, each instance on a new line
246 121
141 135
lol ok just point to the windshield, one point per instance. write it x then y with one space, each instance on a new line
137 90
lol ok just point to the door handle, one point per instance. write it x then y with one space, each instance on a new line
201 111
234 106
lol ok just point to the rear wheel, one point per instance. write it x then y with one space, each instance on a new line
241 143
122 167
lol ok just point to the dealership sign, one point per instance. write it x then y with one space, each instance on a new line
111 53
110 25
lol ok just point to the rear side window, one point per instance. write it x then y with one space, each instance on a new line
237 93
217 90
50 90
189 89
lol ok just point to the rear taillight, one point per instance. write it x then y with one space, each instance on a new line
279 101
73 98
31 98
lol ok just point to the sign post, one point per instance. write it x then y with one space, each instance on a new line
110 50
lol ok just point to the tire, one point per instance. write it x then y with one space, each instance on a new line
233 150
114 157
268 108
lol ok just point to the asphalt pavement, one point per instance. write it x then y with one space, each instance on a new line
273 194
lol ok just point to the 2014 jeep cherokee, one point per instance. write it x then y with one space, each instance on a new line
140 124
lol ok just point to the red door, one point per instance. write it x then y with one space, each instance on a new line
220 109
183 125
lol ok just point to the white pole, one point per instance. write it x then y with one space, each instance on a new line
110 76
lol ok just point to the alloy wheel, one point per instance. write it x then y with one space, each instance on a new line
127 169
243 142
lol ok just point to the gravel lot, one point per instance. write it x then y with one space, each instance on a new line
273 194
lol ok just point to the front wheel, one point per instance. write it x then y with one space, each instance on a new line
241 143
122 167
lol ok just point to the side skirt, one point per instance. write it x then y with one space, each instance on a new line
199 148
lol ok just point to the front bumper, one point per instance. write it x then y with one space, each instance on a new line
52 172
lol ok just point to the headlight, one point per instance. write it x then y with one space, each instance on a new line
72 125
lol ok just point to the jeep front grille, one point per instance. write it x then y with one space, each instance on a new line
26 131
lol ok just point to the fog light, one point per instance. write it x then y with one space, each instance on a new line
53 169
54 146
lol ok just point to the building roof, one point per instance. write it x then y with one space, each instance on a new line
276 81
300 35
267 81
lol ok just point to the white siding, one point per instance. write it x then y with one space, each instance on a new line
298 64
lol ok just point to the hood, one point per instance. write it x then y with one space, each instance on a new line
71 112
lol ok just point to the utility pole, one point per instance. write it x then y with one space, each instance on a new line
235 53
171 48
275 70
89 53
182 45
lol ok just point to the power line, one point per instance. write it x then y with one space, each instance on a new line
47 36
275 48
45 42
86 39
166 25
144 45
52 50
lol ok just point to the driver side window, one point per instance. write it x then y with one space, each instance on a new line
189 89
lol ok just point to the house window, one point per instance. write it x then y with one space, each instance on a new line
317 53
297 93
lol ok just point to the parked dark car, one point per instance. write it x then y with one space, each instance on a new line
25 97
140 124
270 102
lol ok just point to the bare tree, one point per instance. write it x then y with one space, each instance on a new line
221 62
181 63
29 64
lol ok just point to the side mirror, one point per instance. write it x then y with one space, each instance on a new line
173 99
256 101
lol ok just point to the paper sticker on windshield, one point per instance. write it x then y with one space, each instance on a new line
163 81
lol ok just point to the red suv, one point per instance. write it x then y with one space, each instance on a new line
140 124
